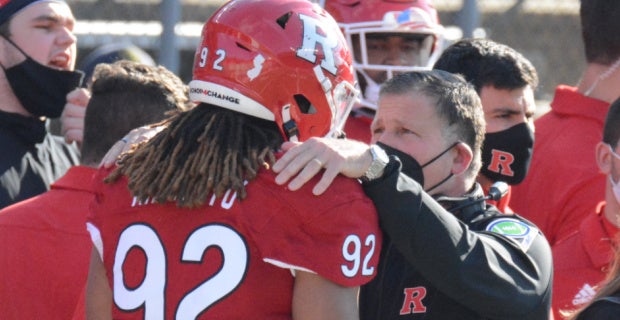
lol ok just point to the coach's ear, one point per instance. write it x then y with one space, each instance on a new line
463 157
603 157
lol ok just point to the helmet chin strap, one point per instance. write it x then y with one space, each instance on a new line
288 125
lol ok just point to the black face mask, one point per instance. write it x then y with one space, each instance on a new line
41 90
411 167
506 155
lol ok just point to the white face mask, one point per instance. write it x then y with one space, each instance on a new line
615 185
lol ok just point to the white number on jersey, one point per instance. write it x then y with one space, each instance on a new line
150 293
355 255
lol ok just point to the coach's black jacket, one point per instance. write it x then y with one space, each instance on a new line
30 158
440 265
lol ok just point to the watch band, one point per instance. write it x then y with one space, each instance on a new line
380 160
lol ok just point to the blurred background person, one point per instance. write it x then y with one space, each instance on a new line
385 37
584 259
71 123
37 58
505 81
45 245
564 184
112 52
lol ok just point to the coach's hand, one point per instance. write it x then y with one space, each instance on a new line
302 161
133 138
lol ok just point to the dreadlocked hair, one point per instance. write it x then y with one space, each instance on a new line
201 151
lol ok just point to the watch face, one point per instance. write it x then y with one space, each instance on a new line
377 166
381 155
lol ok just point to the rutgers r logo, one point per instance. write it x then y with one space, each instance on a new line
312 37
413 301
500 162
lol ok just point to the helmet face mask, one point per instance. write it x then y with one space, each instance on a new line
283 61
341 100
387 37
371 53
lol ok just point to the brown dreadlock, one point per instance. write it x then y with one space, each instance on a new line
204 150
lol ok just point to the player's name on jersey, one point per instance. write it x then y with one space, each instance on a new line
226 202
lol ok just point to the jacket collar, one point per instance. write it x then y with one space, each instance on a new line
30 130
567 101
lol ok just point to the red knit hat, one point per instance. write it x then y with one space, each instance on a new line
10 7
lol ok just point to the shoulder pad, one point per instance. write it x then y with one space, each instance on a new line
514 229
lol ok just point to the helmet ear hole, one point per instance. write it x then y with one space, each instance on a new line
304 105
284 19
242 47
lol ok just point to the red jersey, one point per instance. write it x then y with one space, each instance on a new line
357 127
231 259
46 250
581 262
563 183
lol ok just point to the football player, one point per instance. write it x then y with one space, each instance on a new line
182 244
386 37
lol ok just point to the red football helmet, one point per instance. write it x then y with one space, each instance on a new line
364 21
280 60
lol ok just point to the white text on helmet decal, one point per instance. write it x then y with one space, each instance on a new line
221 55
203 57
328 42
258 67
215 94
204 52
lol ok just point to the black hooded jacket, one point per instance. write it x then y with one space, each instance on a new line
30 158
453 258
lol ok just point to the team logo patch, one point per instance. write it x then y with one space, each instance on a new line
519 231
501 161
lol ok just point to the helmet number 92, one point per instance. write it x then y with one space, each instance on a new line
204 53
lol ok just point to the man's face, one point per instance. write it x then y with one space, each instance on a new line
505 108
409 123
394 49
44 31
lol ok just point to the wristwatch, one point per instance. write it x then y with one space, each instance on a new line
380 160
